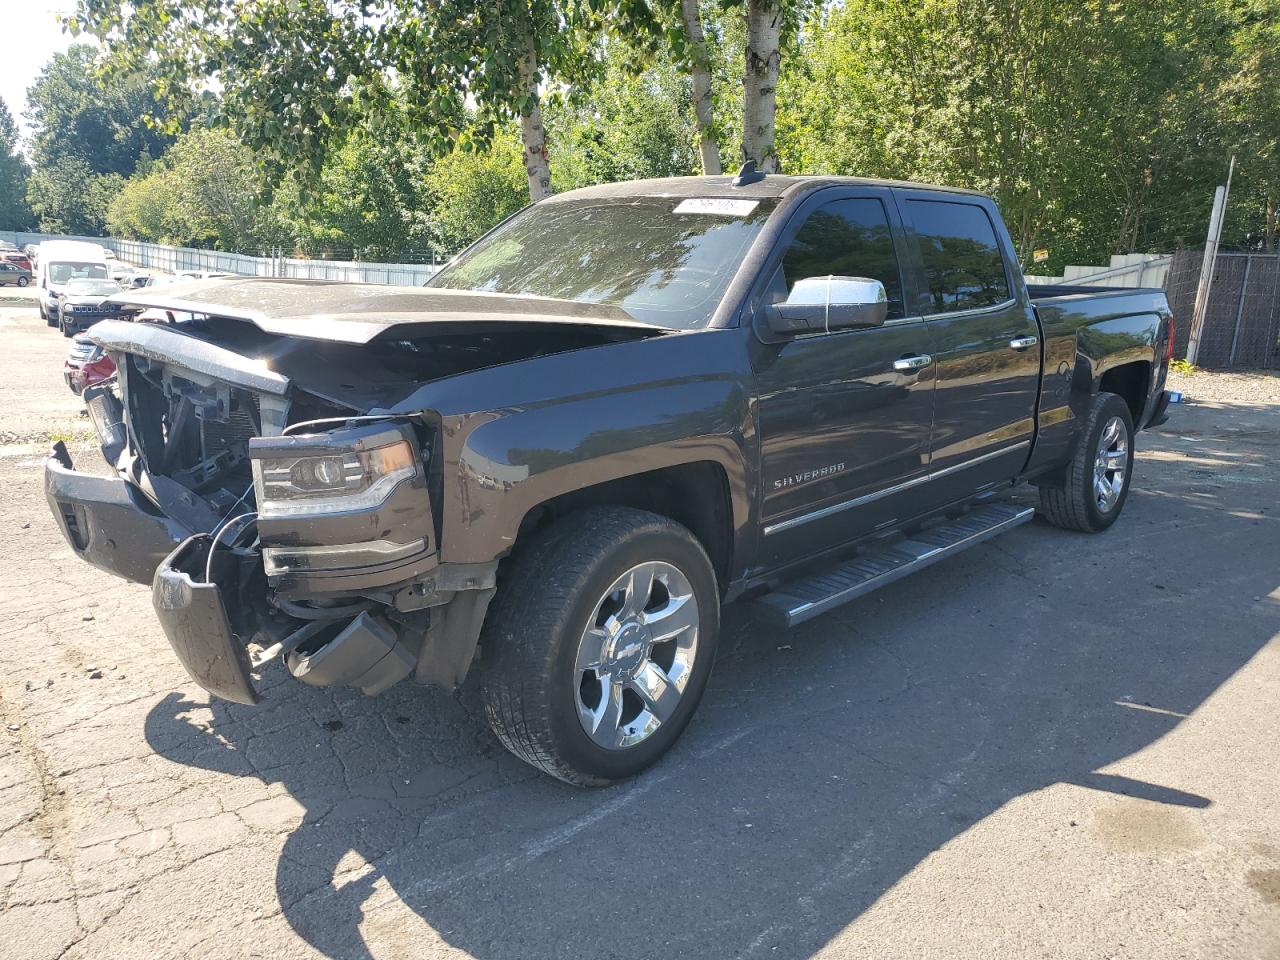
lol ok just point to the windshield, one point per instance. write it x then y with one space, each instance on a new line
664 260
93 287
68 270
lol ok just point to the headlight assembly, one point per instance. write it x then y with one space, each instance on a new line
337 472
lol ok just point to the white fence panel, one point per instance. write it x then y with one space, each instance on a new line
155 256
1126 270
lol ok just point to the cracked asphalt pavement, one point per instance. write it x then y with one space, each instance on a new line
1053 745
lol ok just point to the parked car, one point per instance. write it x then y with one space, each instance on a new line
84 302
137 281
60 262
621 408
86 365
11 273
18 260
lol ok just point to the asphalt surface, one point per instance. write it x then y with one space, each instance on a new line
1055 745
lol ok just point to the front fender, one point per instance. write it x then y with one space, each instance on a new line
554 425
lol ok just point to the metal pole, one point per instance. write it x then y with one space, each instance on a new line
1206 275
1210 263
1244 290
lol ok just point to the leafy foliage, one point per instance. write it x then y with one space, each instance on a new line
377 127
105 124
471 190
68 197
1093 122
14 212
203 192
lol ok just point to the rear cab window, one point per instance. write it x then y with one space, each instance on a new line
962 266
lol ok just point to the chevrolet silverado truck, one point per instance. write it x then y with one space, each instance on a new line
618 410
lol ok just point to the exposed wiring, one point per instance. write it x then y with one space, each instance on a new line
213 547
227 518
370 417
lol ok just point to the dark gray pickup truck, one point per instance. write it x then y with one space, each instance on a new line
620 409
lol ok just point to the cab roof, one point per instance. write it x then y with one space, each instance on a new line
773 185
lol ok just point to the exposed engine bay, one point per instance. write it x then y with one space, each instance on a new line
308 501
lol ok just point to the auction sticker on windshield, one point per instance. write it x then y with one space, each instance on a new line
724 206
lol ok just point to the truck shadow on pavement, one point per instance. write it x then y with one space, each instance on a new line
823 766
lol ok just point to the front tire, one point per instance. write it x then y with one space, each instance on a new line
599 644
23 281
1094 485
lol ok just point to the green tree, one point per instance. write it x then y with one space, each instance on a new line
297 76
15 214
627 125
146 208
472 190
1091 121
103 121
203 192
369 201
68 197
1248 99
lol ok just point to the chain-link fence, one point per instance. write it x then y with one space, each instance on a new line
1242 321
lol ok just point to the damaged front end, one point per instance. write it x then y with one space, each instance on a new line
271 521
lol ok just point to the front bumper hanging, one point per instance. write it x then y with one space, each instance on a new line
194 619
363 651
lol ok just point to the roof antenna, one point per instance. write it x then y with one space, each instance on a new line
747 173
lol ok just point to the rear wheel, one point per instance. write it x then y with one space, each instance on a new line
1093 487
599 644
23 281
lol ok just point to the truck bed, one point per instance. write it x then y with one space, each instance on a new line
1045 292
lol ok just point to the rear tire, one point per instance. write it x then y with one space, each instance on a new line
1094 485
23 281
576 678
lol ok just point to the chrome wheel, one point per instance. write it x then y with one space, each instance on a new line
1110 464
636 655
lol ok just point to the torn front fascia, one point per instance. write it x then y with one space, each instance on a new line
455 598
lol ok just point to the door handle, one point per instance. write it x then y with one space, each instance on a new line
1021 343
916 361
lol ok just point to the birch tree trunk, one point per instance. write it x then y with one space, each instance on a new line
700 74
533 136
760 82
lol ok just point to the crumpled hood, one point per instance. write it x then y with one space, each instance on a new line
358 312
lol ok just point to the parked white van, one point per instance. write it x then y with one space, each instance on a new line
61 261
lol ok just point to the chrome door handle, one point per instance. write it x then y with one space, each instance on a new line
1021 343
917 362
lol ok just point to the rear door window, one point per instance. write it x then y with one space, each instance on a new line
844 238
963 266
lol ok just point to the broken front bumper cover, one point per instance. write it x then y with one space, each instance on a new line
107 521
194 619
363 651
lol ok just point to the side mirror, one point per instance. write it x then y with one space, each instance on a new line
829 303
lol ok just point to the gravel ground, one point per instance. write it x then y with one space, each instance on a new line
1254 386
1054 745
